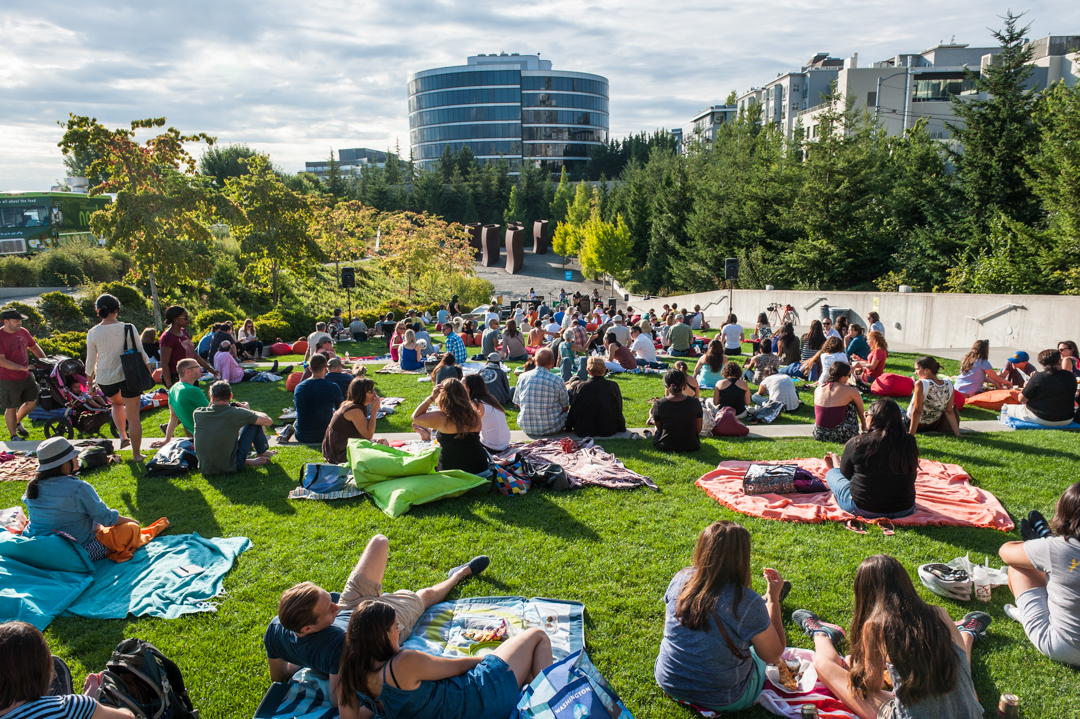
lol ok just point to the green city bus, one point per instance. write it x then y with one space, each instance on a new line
32 221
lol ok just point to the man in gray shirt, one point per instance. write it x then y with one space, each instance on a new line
489 342
620 330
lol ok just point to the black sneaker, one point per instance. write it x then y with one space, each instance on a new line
975 624
273 370
1039 526
811 625
21 431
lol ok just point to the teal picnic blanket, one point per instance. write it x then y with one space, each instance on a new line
37 596
148 584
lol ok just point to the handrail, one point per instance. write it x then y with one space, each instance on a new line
714 302
993 313
814 302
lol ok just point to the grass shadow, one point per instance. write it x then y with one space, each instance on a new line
270 492
536 511
184 506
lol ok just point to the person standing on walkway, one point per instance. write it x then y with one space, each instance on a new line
18 388
104 346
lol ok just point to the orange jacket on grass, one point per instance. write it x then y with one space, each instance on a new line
123 539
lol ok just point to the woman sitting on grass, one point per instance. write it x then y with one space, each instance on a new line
1070 357
379 677
396 340
932 408
26 681
732 391
676 416
1048 397
811 343
447 368
718 632
513 343
409 351
926 654
762 332
692 388
976 370
354 419
494 431
822 360
457 426
875 477
838 407
709 369
866 371
1044 580
786 345
57 501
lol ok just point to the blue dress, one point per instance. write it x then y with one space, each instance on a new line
487 691
410 359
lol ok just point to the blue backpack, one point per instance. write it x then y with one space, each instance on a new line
324 478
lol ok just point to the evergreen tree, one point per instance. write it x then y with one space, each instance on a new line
560 204
515 209
392 173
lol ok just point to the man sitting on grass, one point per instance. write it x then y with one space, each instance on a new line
596 407
542 398
225 433
184 398
679 338
315 399
309 630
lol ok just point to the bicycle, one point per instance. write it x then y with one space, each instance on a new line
777 319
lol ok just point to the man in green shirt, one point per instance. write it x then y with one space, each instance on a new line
185 396
226 432
679 338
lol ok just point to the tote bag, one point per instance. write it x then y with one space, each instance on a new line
137 377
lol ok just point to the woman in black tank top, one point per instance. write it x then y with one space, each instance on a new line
457 427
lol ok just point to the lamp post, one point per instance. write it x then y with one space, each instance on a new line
877 95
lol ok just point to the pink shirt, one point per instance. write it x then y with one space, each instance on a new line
230 369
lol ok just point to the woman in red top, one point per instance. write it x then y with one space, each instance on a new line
866 372
176 345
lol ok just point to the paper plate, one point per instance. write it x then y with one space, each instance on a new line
481 649
805 682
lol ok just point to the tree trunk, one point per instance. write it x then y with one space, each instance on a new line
273 282
157 303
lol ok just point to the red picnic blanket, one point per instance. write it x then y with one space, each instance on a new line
943 496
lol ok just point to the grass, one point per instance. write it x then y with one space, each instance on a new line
614 551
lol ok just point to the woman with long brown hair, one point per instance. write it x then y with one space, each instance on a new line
865 372
811 342
447 368
718 632
513 343
976 370
926 653
457 426
354 419
822 360
709 369
378 676
494 432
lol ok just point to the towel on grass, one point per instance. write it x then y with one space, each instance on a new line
395 368
349 492
1021 424
149 584
943 496
586 463
37 596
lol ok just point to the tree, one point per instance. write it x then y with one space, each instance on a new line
421 247
78 165
563 197
515 209
731 98
606 249
273 224
344 230
570 234
221 163
997 133
161 204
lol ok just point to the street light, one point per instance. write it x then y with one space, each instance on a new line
877 95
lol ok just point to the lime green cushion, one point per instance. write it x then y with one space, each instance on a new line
50 552
396 496
372 463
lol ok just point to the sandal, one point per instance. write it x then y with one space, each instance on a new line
854 525
1039 525
887 527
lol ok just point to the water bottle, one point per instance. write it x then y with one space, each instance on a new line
1003 415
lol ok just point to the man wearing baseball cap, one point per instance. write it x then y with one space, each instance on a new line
1018 369
18 388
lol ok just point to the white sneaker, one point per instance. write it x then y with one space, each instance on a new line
1013 613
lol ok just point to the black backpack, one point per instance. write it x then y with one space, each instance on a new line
140 678
176 458
92 458
547 476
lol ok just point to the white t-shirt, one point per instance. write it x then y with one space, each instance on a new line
781 388
827 361
1059 558
104 345
643 348
733 335
695 323
832 333
554 327
494 432
489 317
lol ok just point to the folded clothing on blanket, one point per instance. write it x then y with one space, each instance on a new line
585 462
944 496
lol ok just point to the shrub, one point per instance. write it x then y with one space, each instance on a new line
208 318
271 327
59 268
62 313
18 271
301 323
34 322
72 344
473 292
130 298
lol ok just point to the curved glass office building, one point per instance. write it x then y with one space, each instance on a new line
507 106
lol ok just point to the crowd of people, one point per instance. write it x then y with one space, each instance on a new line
896 639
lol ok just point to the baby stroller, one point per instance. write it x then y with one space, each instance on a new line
65 412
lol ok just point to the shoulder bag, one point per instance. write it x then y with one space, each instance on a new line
137 377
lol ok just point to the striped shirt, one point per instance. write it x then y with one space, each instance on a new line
69 706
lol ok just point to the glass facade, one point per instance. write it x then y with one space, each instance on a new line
543 117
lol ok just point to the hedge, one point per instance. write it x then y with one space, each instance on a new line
34 322
208 318
72 344
62 313
272 326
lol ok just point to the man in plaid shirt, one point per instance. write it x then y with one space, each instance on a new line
581 337
455 344
542 398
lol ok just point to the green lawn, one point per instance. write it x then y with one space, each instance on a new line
614 551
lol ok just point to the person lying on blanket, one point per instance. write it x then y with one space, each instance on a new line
57 501
876 475
720 670
1044 579
378 676
927 656
29 686
309 630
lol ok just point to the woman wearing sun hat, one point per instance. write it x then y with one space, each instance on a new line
57 501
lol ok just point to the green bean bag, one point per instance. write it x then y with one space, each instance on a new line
373 463
398 495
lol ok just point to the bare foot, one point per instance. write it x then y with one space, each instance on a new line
831 460
138 458
257 461
268 453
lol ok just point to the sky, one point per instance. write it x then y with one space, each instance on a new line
297 79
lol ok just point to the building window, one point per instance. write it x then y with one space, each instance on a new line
871 99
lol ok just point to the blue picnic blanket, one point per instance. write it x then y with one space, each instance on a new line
1021 424
443 630
37 596
149 585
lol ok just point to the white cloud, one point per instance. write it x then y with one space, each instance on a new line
295 80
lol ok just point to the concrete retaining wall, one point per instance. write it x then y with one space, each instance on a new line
930 320
8 292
